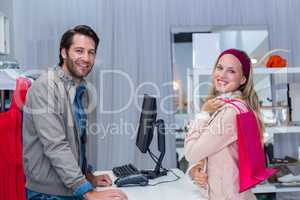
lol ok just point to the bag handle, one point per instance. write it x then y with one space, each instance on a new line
234 104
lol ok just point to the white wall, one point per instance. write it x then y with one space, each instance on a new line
183 60
206 48
6 7
251 39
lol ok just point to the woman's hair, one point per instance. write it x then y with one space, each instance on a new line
248 94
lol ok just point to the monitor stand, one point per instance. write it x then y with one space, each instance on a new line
157 172
151 174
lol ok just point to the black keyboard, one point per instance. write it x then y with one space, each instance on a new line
125 170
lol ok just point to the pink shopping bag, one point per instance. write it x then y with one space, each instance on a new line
252 165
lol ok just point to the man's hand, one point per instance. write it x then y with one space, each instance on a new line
101 180
212 105
110 194
199 176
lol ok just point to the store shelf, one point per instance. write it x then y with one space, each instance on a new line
270 131
257 70
283 129
271 188
285 70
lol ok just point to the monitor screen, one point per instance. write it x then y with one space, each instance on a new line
147 123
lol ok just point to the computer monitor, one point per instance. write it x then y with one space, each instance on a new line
147 123
145 134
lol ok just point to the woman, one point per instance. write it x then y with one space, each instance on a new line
212 136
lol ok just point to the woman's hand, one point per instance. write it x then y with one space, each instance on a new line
212 105
199 176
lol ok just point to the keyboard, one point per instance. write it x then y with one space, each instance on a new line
125 170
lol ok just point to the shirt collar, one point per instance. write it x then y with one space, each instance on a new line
66 77
69 82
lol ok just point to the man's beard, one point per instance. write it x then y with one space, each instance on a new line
72 69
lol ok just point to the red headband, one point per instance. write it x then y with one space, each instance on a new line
242 57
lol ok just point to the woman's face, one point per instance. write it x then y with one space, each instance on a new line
228 74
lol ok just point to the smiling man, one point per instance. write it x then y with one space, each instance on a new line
55 126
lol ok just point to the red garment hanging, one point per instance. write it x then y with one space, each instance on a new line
12 178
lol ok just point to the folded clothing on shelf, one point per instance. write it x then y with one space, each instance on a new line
289 178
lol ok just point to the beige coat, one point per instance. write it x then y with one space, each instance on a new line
215 138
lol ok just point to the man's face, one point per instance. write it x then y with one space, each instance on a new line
80 58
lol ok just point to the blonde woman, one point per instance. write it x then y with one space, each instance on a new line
211 141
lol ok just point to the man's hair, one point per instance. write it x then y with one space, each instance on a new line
67 38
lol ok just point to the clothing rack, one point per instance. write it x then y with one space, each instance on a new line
7 85
2 98
11 166
8 79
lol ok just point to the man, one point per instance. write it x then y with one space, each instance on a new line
55 126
